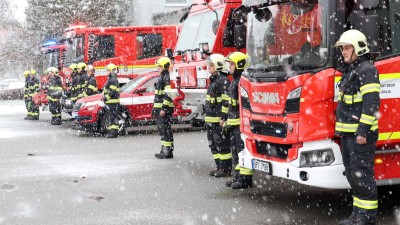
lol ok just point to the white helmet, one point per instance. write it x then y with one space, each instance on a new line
218 60
355 38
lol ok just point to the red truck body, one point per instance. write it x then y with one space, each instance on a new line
289 93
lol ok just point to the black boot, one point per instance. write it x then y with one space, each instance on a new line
350 220
161 152
234 180
213 171
27 117
243 182
35 118
166 154
112 134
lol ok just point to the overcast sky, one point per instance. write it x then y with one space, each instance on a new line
18 8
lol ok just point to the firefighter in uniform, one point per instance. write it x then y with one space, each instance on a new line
26 94
54 94
242 176
357 124
83 78
163 109
75 85
91 85
216 109
33 89
111 99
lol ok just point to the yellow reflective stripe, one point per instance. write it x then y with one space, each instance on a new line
157 105
225 156
225 97
55 88
374 87
74 98
237 167
159 92
34 114
349 99
216 156
113 127
113 87
233 122
167 143
92 87
52 99
367 119
346 127
168 103
208 98
167 87
389 135
210 119
56 115
219 99
224 109
365 204
233 102
246 171
113 101
107 96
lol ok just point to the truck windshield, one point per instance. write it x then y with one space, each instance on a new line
295 38
75 49
50 59
198 29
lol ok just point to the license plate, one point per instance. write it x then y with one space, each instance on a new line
68 102
262 166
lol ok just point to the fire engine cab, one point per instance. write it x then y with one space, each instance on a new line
288 94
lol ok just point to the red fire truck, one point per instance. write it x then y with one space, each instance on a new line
289 94
52 56
206 30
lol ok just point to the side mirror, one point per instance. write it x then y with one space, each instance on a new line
140 90
239 33
169 53
215 26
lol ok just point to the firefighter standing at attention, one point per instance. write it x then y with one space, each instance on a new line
83 79
33 89
91 85
54 94
163 109
357 124
26 94
75 85
242 176
216 109
111 99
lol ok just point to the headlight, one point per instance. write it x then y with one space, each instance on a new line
295 93
322 157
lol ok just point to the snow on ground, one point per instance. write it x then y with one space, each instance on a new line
10 107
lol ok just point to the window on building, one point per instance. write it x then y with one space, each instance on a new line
148 45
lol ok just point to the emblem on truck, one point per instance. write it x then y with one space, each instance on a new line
266 97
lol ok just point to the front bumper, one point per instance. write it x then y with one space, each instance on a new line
331 176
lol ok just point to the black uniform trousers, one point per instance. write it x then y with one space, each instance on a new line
55 109
112 119
164 129
358 161
219 145
33 109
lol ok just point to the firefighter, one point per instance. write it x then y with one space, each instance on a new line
33 88
357 124
163 109
54 94
83 78
111 99
75 84
26 94
216 109
242 176
91 86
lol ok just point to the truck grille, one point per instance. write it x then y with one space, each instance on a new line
273 150
269 128
292 105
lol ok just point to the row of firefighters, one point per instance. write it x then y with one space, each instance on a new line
359 83
222 108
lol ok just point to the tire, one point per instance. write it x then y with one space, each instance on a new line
102 125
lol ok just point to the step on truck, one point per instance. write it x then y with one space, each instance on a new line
288 93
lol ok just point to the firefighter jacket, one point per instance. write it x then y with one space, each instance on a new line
55 89
111 90
83 79
217 99
161 99
358 100
75 86
91 86
233 109
26 89
33 86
